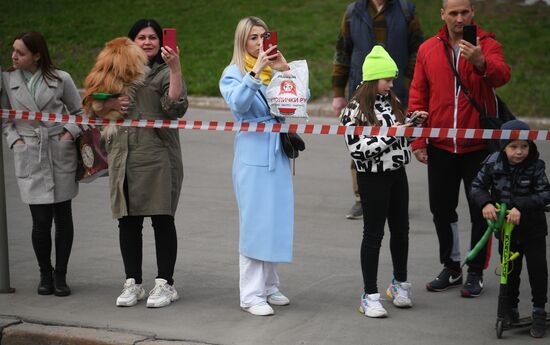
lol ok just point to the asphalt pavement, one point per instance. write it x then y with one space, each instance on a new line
324 282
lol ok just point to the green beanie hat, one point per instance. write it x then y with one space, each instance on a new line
379 65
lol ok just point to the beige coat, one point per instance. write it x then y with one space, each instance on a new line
148 159
45 167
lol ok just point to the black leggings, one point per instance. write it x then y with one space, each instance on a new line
131 245
384 196
41 235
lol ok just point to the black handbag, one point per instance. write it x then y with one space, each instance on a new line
495 122
486 121
292 144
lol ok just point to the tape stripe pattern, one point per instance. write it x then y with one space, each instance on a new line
318 129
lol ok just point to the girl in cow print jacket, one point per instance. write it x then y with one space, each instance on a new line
381 178
378 153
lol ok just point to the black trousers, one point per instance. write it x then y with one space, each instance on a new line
534 251
131 246
384 196
42 216
446 170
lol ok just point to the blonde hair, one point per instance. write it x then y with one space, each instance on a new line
241 37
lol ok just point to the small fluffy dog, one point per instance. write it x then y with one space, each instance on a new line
119 69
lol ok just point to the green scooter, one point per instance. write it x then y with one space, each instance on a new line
505 228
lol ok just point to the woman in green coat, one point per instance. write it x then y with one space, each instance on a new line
145 168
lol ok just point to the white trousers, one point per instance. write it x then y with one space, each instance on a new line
257 280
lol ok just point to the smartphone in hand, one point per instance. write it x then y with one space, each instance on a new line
469 34
269 40
413 118
169 38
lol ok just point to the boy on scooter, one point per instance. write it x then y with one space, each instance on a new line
516 176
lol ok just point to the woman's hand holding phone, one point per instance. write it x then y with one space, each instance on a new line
263 59
171 57
279 63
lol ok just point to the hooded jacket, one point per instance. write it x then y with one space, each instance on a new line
434 89
523 186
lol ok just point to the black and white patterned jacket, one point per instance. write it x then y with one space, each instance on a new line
523 186
377 153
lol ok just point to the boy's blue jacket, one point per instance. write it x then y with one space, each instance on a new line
524 186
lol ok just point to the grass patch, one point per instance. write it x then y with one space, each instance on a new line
76 32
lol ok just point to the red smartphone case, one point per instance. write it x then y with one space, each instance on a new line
269 39
169 38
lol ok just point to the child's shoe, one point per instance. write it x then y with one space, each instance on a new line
162 294
400 293
371 306
538 328
512 316
131 294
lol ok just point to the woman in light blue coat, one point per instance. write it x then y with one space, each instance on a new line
261 171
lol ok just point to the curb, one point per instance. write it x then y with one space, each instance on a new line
14 331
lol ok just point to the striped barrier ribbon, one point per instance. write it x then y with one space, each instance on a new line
322 129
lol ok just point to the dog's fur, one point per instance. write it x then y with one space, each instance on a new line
119 69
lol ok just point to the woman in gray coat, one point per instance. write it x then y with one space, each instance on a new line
145 168
44 153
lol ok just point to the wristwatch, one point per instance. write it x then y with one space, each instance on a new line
252 74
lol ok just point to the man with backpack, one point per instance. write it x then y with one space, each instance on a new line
366 23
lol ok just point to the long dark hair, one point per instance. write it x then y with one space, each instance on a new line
365 95
36 44
148 23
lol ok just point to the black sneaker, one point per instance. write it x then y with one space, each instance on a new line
448 278
538 328
473 286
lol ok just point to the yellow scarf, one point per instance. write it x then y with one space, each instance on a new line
250 61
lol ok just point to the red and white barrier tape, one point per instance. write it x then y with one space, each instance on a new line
287 128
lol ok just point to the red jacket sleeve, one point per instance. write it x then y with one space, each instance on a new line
497 71
419 93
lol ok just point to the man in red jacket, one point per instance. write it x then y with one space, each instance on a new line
436 89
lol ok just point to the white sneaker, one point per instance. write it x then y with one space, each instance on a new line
162 294
278 298
262 309
400 293
371 306
131 294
